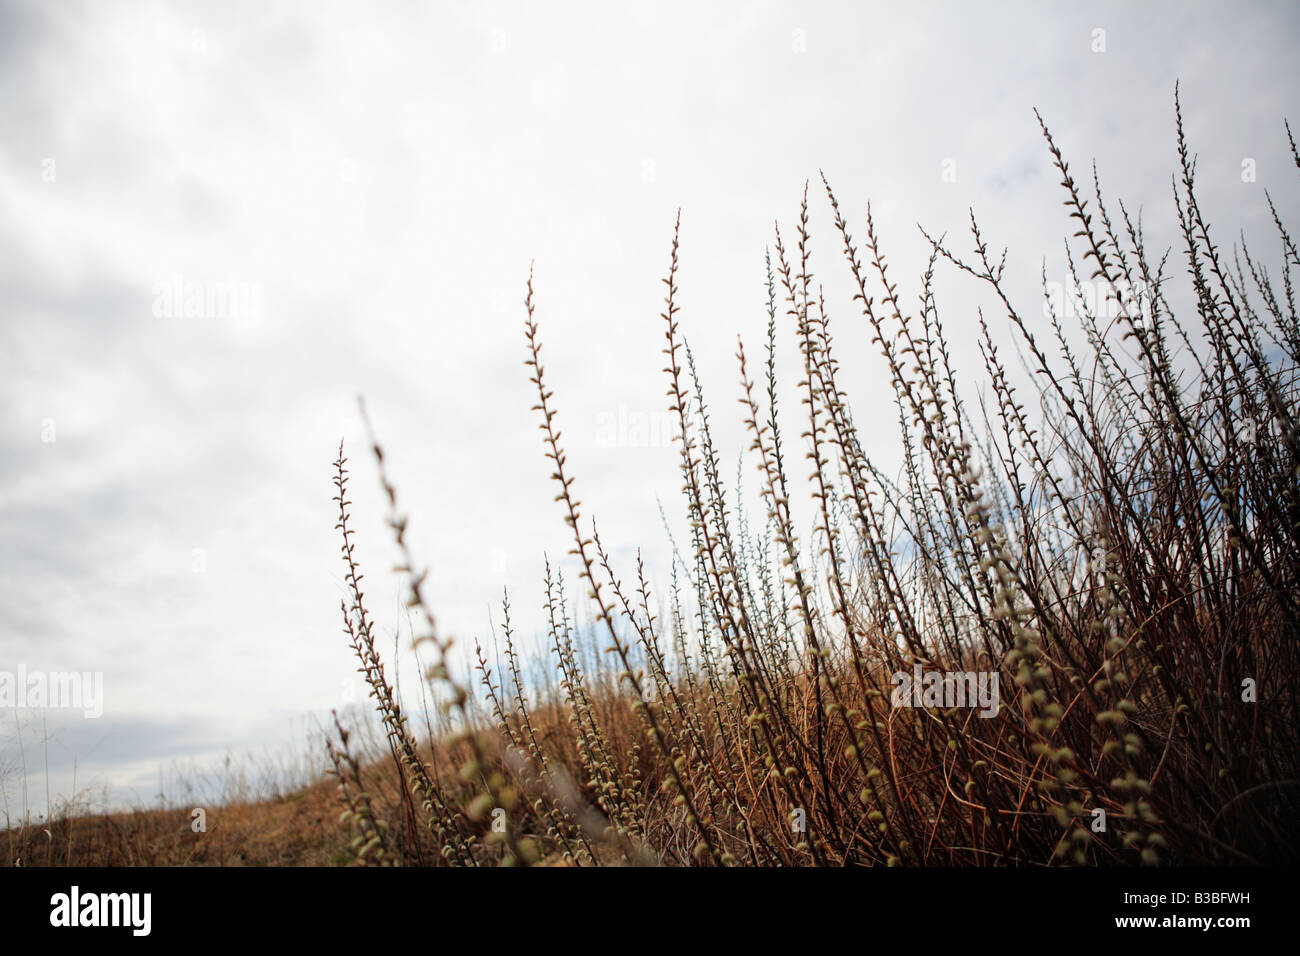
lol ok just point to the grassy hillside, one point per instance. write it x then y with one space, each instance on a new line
1089 571
1063 632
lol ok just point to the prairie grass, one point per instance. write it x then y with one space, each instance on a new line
1109 528
1118 542
1104 534
291 822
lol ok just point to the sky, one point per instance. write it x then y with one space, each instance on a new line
221 224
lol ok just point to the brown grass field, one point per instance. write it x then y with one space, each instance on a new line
1117 542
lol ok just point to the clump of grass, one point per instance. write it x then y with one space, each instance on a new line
1124 563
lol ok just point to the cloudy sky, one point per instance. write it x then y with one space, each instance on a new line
221 223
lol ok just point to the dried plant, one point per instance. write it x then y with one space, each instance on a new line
1123 563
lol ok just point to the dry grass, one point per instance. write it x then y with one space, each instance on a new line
1109 541
301 829
1125 561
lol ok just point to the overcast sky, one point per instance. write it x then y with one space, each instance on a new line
221 223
